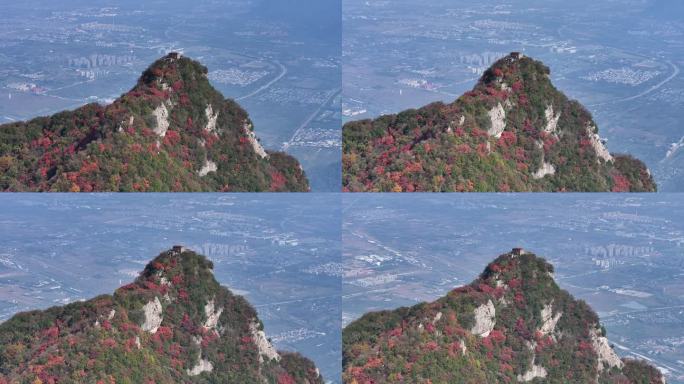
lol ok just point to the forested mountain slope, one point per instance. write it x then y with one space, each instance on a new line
172 132
513 132
173 324
513 324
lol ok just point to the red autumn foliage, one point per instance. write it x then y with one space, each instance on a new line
151 285
51 333
209 338
165 332
211 140
396 332
487 343
507 139
183 294
177 85
521 329
171 138
431 346
497 336
109 342
463 148
277 181
130 344
517 86
55 360
178 279
430 328
285 378
519 299
413 167
620 183
486 288
506 354
136 147
89 166
455 348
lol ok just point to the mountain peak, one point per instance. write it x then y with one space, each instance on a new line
172 68
515 67
173 131
174 323
514 131
512 324
181 262
516 264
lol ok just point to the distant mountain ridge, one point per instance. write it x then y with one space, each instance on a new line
172 132
513 324
173 324
513 132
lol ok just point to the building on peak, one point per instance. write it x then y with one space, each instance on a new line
178 249
518 251
174 55
517 55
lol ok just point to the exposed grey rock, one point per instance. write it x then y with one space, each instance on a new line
485 319
153 316
497 115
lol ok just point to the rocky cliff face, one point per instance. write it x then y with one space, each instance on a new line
173 324
513 132
172 132
512 324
